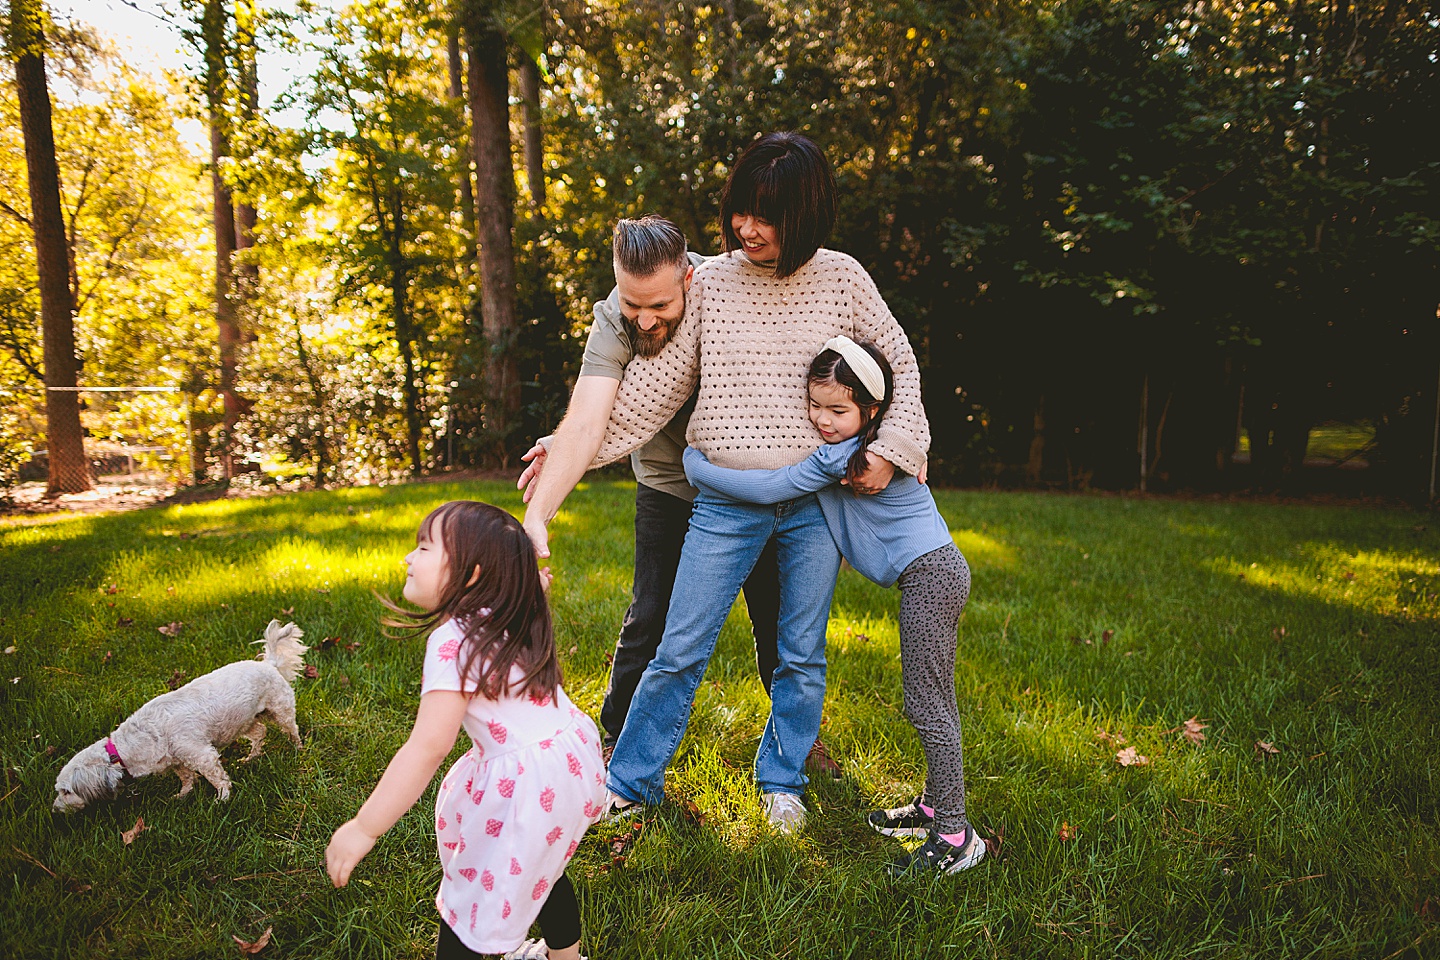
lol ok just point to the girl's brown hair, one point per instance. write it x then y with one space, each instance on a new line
503 614
830 367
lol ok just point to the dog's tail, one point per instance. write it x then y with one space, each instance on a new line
283 649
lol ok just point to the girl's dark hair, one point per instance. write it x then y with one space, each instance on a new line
830 367
785 179
503 615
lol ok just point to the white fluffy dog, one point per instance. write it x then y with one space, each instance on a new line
180 730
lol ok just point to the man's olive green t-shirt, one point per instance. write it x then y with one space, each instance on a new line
659 464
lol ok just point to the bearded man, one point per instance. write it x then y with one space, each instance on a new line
653 273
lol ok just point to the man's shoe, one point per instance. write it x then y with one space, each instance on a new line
820 762
784 811
936 855
907 821
618 808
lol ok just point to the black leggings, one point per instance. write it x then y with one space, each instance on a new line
559 924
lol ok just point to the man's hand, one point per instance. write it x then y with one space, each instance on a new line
877 475
536 458
539 535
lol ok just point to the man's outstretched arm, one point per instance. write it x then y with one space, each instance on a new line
573 449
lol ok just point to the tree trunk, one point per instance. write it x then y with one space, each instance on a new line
69 471
1035 466
495 201
247 273
228 328
534 139
400 316
467 183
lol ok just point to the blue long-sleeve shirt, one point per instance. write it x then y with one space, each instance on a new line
880 534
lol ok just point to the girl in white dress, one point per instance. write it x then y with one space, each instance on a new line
512 810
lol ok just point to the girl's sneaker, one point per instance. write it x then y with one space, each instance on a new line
906 821
531 950
939 856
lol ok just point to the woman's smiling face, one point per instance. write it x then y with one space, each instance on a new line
758 237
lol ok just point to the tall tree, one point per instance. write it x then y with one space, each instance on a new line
215 47
69 471
529 74
488 89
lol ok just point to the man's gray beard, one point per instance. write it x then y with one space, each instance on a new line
649 344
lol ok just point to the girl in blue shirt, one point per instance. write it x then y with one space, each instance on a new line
894 536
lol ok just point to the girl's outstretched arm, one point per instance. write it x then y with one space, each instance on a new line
822 468
405 779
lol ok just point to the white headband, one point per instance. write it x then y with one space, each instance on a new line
861 362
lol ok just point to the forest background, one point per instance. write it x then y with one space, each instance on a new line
1128 239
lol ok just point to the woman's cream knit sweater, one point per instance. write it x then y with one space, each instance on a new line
749 339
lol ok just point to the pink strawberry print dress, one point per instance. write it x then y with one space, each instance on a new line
512 810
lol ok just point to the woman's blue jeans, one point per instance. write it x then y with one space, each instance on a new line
723 543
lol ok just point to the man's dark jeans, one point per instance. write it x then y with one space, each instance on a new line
661 521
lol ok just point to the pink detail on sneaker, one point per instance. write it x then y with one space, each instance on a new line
954 839
928 811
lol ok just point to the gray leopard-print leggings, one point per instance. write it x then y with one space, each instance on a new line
933 591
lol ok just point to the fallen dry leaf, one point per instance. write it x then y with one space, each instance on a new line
1067 832
351 647
1191 730
112 589
1278 633
177 679
109 654
129 835
574 650
1129 758
170 591
172 629
125 622
1105 637
1263 749
9 649
1116 738
287 611
250 949
993 844
328 642
310 672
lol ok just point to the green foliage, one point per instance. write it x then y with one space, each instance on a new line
1312 629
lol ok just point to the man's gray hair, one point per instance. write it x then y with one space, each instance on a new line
645 245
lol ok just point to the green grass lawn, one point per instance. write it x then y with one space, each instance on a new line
1313 629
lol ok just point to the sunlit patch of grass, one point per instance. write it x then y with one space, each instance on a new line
1091 620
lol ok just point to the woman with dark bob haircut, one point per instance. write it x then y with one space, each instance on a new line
784 180
756 316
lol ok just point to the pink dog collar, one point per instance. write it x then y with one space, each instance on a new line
115 754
